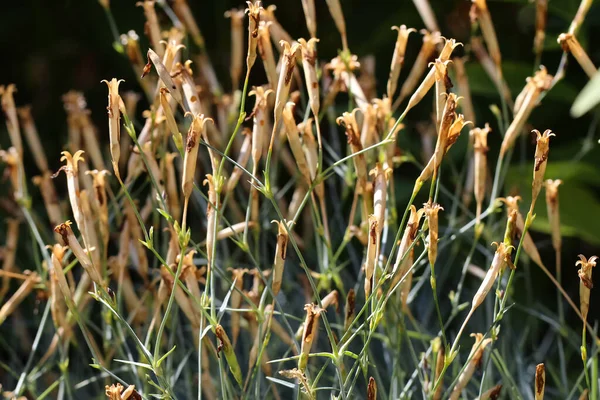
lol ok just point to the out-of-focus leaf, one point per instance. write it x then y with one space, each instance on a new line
578 204
588 98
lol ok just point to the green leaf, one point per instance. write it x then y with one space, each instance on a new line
588 98
137 364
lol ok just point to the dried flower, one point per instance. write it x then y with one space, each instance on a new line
488 31
152 26
265 49
291 130
253 10
463 88
403 259
311 326
10 251
372 389
14 170
586 284
480 149
116 392
10 111
237 45
33 138
309 59
72 172
348 121
541 160
474 361
534 88
335 9
541 14
280 255
398 58
227 349
540 381
371 256
259 129
570 43
349 309
431 211
277 32
114 121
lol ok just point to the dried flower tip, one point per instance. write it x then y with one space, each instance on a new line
116 392
540 381
541 160
431 211
311 325
253 10
398 58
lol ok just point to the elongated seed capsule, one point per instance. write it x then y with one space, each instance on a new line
57 302
234 229
540 381
480 149
570 43
90 235
552 205
426 14
528 244
308 6
170 119
311 326
490 69
398 58
280 256
439 366
489 33
372 389
237 275
259 129
70 240
348 121
265 50
536 85
500 261
10 111
10 251
541 161
12 160
431 211
401 265
243 157
211 215
72 171
371 256
136 238
152 26
163 74
114 122
191 157
227 349
309 60
430 41
171 186
335 9
291 130
284 83
585 282
254 9
446 121
237 45
368 133
442 87
429 79
541 14
277 32
33 138
474 361
22 292
381 176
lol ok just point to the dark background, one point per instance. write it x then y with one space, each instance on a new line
51 47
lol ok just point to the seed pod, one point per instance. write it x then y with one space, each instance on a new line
474 361
480 150
280 255
553 211
253 10
585 284
89 235
398 58
70 240
57 302
277 32
487 29
291 130
442 87
492 394
500 261
33 138
170 119
381 177
534 88
309 60
164 75
99 182
265 50
371 257
237 45
259 129
569 43
446 121
171 186
439 366
541 160
540 381
114 121
348 121
335 9
372 389
308 6
541 14
50 197
152 27
311 326
490 69
10 251
528 244
431 211
191 156
14 170
401 266
227 349
283 85
349 309
430 41
72 172
214 186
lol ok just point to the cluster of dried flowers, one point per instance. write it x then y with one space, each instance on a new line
143 256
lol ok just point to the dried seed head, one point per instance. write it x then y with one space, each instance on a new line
260 129
227 349
280 254
308 6
349 308
480 149
237 44
10 111
285 78
114 121
475 357
118 392
309 59
569 43
311 326
12 160
152 25
265 49
372 389
335 9
500 261
431 211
